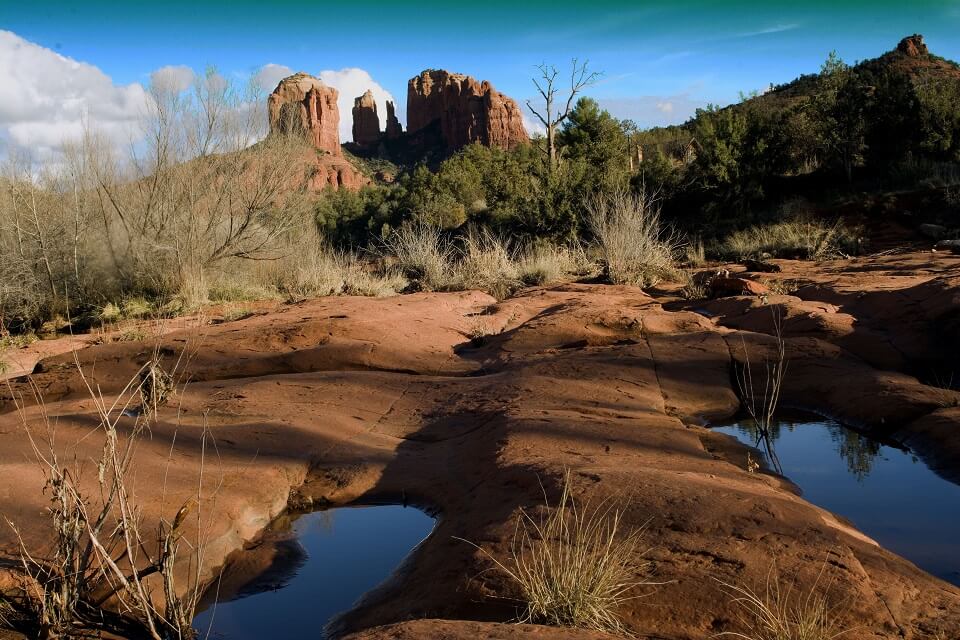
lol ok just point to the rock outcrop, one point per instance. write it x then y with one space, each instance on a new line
394 130
913 46
366 121
303 104
464 110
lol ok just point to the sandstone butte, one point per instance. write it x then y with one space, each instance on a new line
465 110
303 105
342 399
366 121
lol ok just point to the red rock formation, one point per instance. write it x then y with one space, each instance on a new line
394 130
336 173
467 110
366 122
303 104
913 46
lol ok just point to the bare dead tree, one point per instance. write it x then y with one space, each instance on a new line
549 88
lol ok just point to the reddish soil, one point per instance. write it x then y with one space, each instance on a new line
341 399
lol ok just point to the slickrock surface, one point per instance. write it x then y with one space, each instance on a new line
338 399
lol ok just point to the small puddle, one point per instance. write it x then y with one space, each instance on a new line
311 569
888 493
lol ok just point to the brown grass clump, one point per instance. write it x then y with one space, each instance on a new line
422 253
634 248
781 614
548 264
576 566
487 264
804 239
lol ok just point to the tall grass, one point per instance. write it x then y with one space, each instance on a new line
576 566
634 248
487 264
762 403
423 254
798 239
546 264
780 613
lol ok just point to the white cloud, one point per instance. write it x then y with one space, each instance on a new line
531 123
172 78
665 107
777 28
269 76
46 98
653 111
352 83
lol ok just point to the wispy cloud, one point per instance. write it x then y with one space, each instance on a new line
777 28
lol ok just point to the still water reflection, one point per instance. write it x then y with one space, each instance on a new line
888 493
327 562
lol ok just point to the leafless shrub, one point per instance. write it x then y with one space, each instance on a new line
97 573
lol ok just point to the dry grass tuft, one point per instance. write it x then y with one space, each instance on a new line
548 264
487 264
780 614
238 313
634 248
797 239
576 566
422 253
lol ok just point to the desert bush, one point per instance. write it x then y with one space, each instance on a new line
423 254
808 239
633 246
576 566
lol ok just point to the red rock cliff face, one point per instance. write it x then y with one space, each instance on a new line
303 104
366 122
913 46
393 125
467 110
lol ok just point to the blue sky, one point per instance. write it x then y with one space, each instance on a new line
660 60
